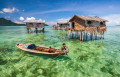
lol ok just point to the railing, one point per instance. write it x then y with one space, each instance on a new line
93 25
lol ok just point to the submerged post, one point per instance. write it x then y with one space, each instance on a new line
36 30
28 30
80 35
86 35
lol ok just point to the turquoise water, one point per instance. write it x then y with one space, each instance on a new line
98 58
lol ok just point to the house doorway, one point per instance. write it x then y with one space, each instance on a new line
73 24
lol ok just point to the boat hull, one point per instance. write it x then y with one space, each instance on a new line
23 47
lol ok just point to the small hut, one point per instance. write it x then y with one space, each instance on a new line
62 25
36 25
88 25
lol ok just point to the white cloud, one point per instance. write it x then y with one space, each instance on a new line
114 19
9 10
32 19
21 18
18 22
63 20
51 23
1 12
7 16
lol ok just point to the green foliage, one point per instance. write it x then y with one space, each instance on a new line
5 22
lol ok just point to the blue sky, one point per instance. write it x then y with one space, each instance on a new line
53 10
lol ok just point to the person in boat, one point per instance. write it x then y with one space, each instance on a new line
30 46
65 49
48 50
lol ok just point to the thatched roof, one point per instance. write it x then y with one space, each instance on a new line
89 18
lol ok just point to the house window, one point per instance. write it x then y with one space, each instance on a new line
89 22
73 24
101 23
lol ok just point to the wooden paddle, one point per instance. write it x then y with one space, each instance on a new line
54 58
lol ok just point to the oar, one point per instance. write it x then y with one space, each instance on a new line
54 58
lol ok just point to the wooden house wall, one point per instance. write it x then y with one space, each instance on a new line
79 24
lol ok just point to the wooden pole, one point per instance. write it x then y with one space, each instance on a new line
82 36
86 35
91 35
68 34
36 30
96 35
28 30
103 34
72 34
76 34
43 30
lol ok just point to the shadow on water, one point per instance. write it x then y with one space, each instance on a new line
55 57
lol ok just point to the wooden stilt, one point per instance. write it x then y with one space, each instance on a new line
43 30
80 35
86 35
76 34
94 35
100 35
103 34
36 30
91 35
72 34
68 34
28 30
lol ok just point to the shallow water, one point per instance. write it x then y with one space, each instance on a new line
98 58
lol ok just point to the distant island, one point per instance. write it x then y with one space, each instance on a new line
5 22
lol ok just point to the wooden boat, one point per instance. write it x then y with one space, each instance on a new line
55 51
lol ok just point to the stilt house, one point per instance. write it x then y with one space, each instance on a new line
88 25
36 25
